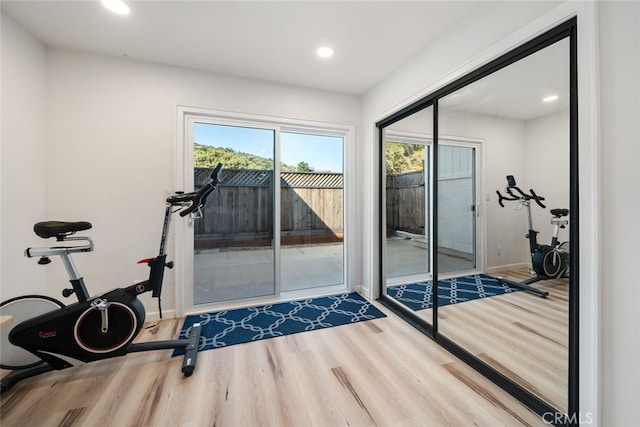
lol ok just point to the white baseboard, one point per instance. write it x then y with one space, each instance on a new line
154 316
508 267
364 291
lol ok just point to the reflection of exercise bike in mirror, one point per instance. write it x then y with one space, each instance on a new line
548 261
49 335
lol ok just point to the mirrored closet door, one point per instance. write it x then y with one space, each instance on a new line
486 168
521 114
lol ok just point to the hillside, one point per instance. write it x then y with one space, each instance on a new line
205 156
400 158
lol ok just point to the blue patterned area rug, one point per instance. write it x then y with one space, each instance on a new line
225 328
418 296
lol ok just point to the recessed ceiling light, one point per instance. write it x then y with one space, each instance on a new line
325 52
550 98
116 6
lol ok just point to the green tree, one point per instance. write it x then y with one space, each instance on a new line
304 167
403 158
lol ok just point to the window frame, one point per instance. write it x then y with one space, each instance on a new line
183 180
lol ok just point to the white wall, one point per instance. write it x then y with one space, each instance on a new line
547 169
22 158
110 138
503 155
620 206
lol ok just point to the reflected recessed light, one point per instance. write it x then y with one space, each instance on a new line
116 6
550 98
325 52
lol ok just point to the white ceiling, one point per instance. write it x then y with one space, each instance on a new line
517 91
265 40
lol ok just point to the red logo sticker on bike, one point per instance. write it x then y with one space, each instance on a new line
48 334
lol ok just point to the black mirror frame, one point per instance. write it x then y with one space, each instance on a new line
567 29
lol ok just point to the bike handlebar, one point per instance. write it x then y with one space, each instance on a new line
537 198
196 199
511 187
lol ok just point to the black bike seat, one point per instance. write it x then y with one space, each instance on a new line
559 212
48 229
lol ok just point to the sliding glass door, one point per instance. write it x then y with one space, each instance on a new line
311 211
234 252
276 225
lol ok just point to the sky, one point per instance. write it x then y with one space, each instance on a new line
322 153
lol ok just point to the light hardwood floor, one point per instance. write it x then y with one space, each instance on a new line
381 372
520 334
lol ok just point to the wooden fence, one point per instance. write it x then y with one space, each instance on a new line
405 203
240 214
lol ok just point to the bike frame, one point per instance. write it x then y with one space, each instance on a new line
514 193
81 332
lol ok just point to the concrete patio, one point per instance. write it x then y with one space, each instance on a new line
228 274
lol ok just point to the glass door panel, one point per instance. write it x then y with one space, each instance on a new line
407 242
406 239
311 211
456 208
234 254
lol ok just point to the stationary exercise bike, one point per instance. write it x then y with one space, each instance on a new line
547 261
49 335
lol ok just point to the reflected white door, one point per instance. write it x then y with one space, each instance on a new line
457 208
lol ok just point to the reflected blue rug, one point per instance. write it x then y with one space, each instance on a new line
225 328
418 296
